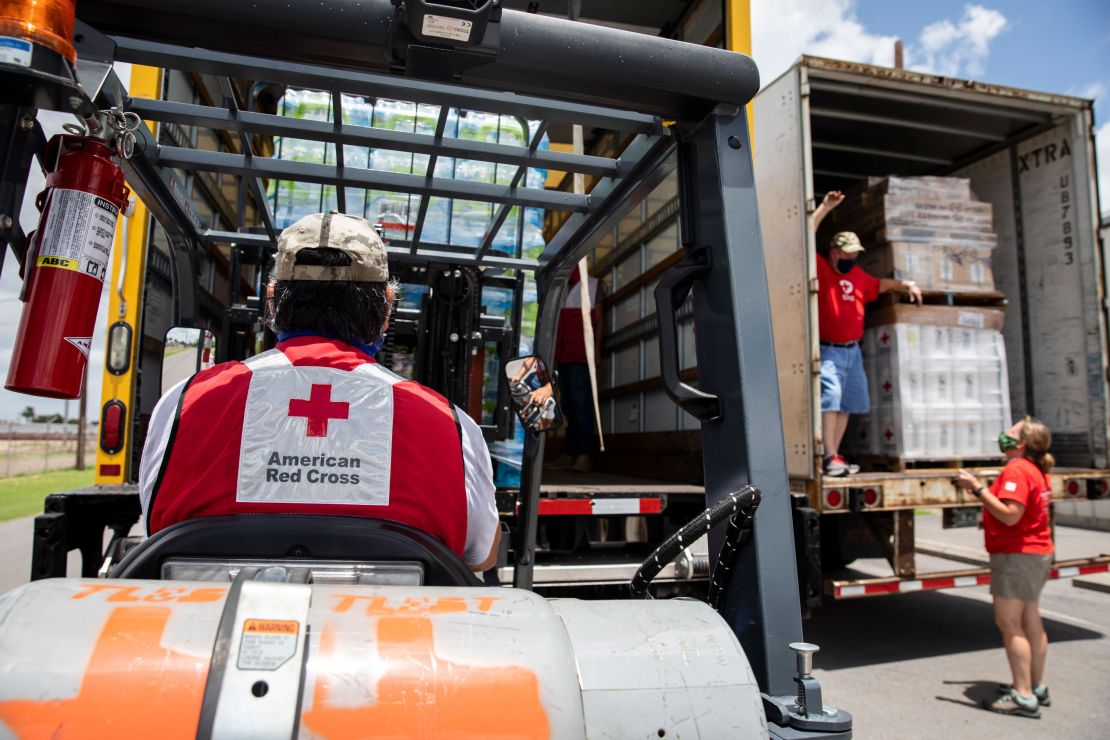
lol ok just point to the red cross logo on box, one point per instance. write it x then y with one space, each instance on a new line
318 409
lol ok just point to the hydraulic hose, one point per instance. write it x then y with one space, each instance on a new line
739 505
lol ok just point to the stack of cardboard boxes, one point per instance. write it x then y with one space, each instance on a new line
937 373
928 229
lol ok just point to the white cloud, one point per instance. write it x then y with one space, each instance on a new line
1092 90
957 49
784 29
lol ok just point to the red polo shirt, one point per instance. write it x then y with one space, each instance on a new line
840 301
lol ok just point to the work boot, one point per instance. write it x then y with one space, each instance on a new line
566 462
582 464
1013 703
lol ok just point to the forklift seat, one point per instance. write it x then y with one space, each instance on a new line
298 538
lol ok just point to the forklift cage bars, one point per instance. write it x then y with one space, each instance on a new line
720 233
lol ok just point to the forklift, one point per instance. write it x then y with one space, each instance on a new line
330 626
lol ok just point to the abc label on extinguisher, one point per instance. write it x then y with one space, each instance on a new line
78 234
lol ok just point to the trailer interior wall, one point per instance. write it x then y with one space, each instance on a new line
828 125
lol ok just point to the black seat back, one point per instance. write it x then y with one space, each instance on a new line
290 536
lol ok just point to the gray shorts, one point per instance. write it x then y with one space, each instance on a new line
1019 575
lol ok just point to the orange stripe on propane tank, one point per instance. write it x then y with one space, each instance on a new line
133 687
116 592
421 694
412 606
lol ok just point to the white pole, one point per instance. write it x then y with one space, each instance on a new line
584 293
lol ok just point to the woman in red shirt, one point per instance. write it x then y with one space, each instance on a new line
1019 539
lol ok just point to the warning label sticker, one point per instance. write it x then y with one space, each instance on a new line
443 27
78 233
267 643
15 51
82 343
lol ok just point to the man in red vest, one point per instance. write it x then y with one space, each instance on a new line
315 425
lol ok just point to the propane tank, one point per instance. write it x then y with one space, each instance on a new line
68 257
184 658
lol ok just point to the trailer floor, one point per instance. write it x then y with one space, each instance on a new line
556 483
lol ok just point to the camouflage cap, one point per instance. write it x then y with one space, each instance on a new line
847 242
352 235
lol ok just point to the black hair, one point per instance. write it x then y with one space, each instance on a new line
349 310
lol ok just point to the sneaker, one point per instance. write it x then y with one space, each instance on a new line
1011 703
1041 692
566 462
582 464
836 467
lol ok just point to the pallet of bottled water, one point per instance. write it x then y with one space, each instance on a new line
938 383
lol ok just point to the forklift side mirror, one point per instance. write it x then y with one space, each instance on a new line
533 394
185 352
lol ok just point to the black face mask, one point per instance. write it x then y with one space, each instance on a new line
845 266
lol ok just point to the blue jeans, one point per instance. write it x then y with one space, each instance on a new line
577 401
843 382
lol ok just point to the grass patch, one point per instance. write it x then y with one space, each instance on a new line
22 495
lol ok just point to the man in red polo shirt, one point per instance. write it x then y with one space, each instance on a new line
315 425
843 289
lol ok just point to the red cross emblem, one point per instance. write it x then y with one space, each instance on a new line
888 433
318 409
884 338
887 386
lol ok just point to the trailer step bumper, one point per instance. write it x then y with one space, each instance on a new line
952 579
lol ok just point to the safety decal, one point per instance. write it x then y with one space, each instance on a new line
82 343
443 27
78 233
267 643
15 51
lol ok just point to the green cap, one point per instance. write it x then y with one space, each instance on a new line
847 241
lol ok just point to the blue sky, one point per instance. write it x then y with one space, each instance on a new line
1061 46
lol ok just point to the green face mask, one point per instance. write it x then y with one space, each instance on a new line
1006 442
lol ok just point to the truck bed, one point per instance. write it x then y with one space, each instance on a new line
936 487
560 484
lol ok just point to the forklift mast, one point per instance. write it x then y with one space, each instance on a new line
665 97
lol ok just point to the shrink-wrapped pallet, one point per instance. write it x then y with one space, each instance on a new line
938 383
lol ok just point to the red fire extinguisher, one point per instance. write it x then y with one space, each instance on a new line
66 264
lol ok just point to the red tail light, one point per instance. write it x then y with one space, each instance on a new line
112 419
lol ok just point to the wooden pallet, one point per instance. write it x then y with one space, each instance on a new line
984 298
885 463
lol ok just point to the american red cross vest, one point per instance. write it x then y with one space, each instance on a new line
313 427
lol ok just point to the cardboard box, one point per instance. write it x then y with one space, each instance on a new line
958 188
920 209
966 317
937 267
